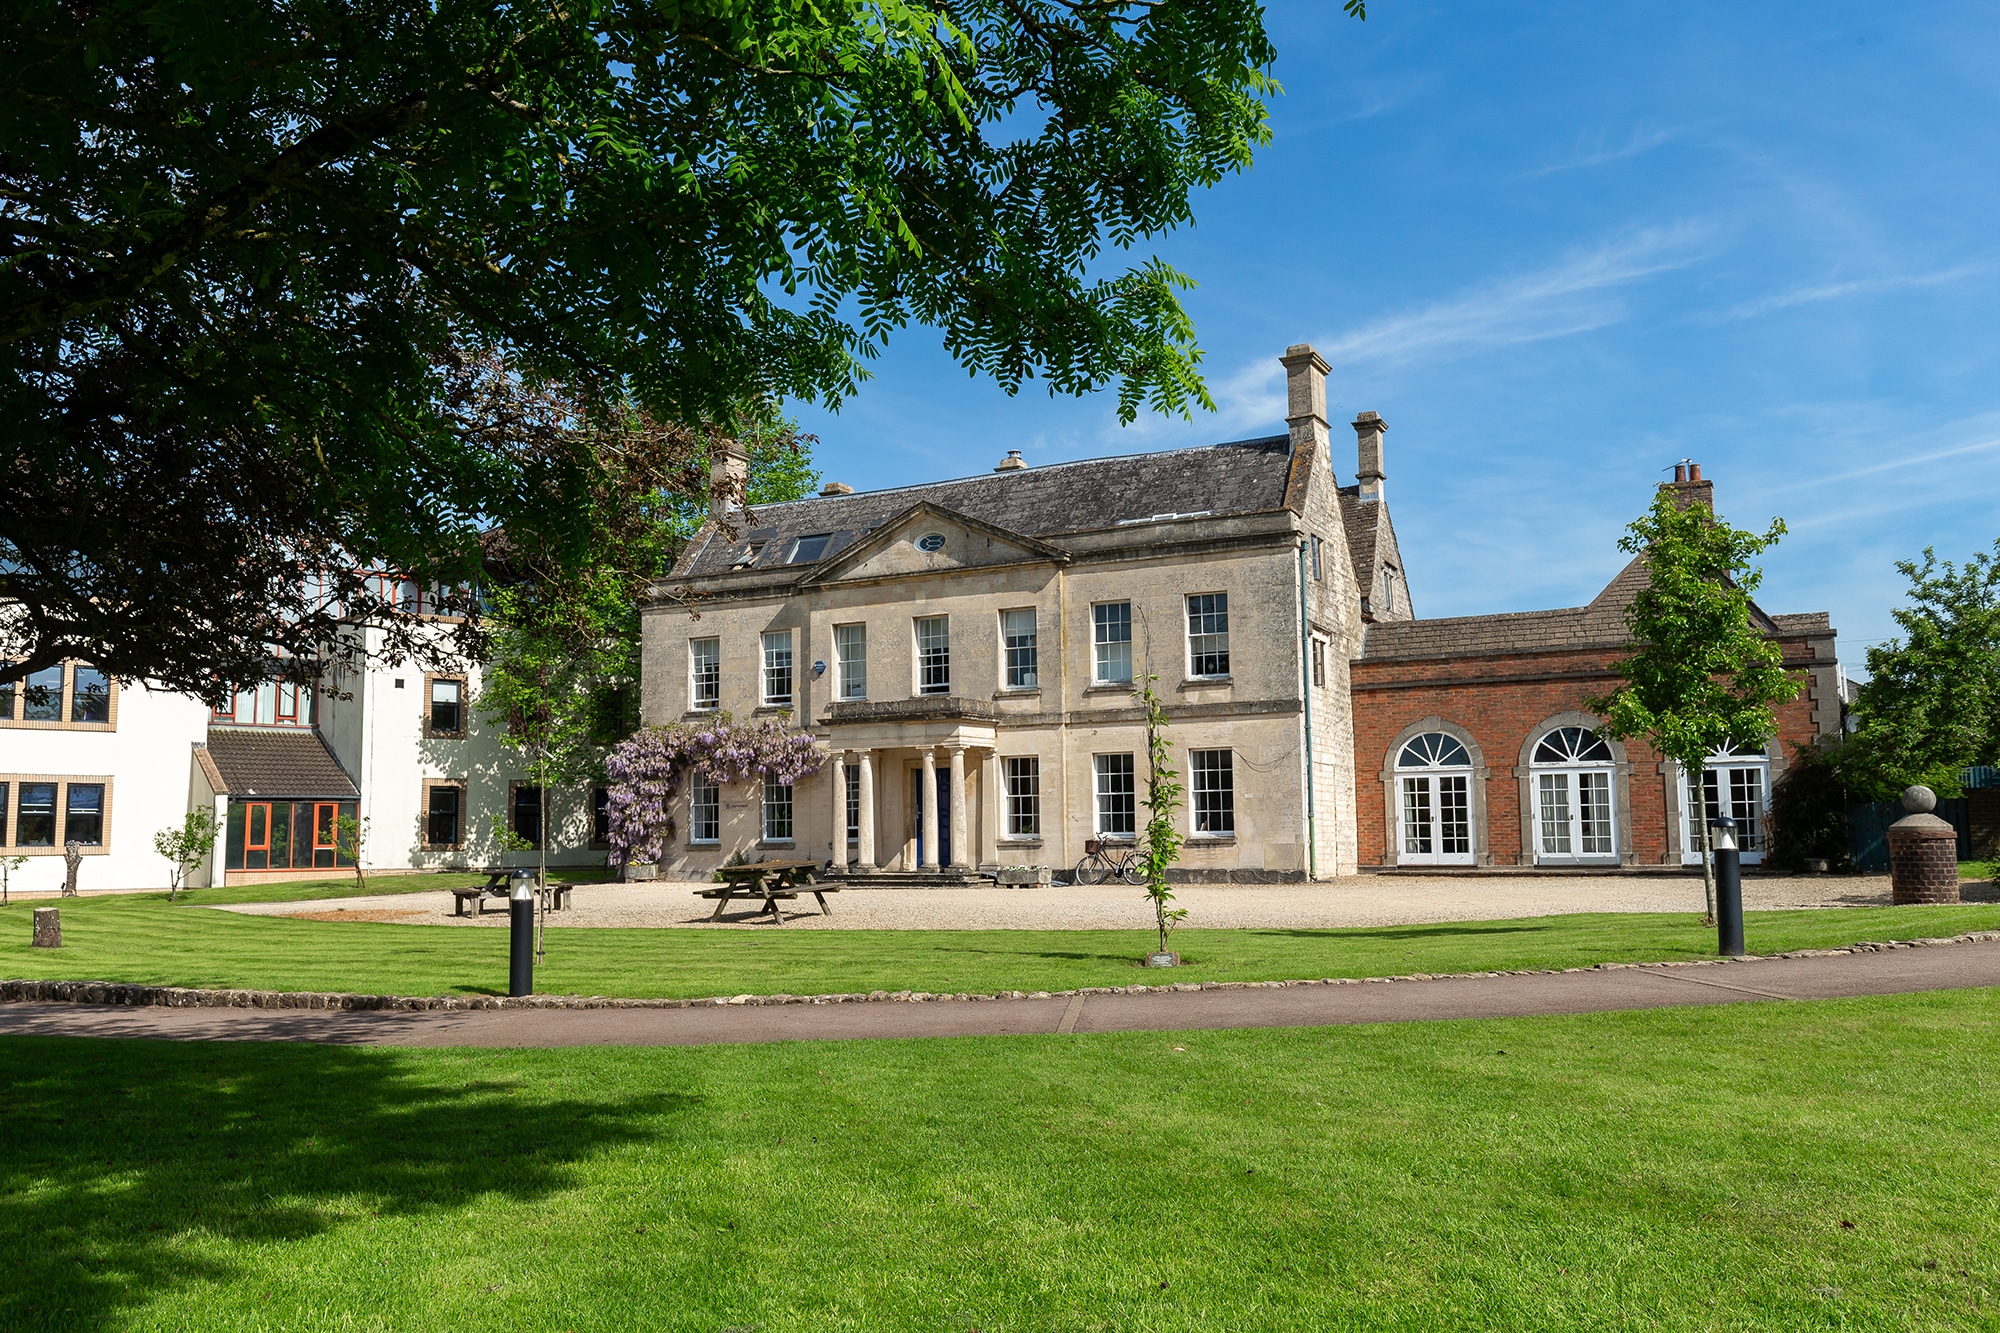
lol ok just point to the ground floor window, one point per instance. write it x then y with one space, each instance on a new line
705 813
526 816
600 816
35 822
444 816
1575 818
1213 791
1735 781
285 835
1434 801
852 799
49 812
1117 803
1024 796
777 810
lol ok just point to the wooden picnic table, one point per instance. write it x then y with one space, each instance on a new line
772 881
553 896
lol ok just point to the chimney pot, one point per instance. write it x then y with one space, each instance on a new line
836 488
1694 472
1680 472
1011 462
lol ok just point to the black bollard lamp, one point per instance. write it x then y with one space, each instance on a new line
521 933
1728 887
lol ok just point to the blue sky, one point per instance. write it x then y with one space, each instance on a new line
1560 246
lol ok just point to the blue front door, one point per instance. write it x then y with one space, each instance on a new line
943 798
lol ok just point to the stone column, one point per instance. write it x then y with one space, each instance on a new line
990 811
867 810
838 768
958 858
1923 853
930 820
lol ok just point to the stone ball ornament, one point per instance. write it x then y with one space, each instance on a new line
1919 800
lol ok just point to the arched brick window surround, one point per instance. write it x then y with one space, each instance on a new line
1392 841
1621 783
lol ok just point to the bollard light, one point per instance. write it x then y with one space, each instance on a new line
521 933
1728 887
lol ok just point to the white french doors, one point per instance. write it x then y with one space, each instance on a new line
1434 802
1735 782
1575 812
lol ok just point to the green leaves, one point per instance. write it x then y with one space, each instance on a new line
1931 705
1700 674
1164 793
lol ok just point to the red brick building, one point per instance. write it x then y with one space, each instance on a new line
1473 746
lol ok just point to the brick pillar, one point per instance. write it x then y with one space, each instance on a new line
1923 853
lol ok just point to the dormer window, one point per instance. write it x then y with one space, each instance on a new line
807 549
748 555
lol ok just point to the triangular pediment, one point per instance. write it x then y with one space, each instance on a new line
927 538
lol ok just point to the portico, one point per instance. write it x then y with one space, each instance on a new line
912 784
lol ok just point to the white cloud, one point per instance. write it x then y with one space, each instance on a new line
1835 291
1642 141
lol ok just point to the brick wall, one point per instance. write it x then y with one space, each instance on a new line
1500 701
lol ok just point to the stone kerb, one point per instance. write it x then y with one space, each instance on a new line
1923 853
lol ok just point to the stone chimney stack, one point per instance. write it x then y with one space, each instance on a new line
1368 431
1689 488
1011 463
1305 397
728 482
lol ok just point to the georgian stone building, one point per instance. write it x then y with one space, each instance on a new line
967 652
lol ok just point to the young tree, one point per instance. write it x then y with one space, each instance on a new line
186 847
1162 844
1699 675
8 865
1931 705
350 839
244 238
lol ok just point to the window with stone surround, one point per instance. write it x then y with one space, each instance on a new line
444 814
1017 633
1117 796
1208 634
1111 640
777 810
705 813
705 672
934 655
1212 792
778 667
850 656
1024 796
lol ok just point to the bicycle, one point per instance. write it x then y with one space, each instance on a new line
1099 865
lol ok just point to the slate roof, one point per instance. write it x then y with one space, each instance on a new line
1598 625
1244 477
1371 538
269 762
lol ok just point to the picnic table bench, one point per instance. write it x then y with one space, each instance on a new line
773 881
553 897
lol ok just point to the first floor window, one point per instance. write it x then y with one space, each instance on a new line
853 821
705 667
850 654
778 667
528 814
447 706
777 810
705 813
934 655
1024 797
90 696
35 824
600 816
1111 638
1213 791
1017 630
1208 634
7 693
445 817
44 696
5 810
83 814
1117 803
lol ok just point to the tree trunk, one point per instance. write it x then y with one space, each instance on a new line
1701 841
542 856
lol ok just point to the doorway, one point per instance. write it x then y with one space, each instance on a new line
943 798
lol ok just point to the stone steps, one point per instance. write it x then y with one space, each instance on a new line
909 879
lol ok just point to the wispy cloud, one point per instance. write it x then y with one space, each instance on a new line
1574 295
1837 291
1642 141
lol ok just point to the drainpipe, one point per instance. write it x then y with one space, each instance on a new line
1305 693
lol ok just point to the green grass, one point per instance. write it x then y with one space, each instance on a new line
1979 870
1766 1166
319 890
141 938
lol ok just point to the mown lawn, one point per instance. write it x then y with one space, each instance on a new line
319 890
144 939
1795 1166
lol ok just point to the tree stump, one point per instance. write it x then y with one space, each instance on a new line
48 928
1923 853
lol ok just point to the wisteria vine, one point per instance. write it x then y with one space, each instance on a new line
646 771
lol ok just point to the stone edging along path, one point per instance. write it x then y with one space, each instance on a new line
182 997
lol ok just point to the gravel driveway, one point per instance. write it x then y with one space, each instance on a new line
1367 900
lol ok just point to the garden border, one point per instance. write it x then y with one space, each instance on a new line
132 994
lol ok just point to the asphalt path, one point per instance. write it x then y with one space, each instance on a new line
1889 972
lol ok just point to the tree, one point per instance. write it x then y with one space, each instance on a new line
1809 812
186 847
1699 675
1162 843
350 839
8 865
249 247
1931 705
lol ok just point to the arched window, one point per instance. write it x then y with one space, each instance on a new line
1740 775
1574 817
1434 801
